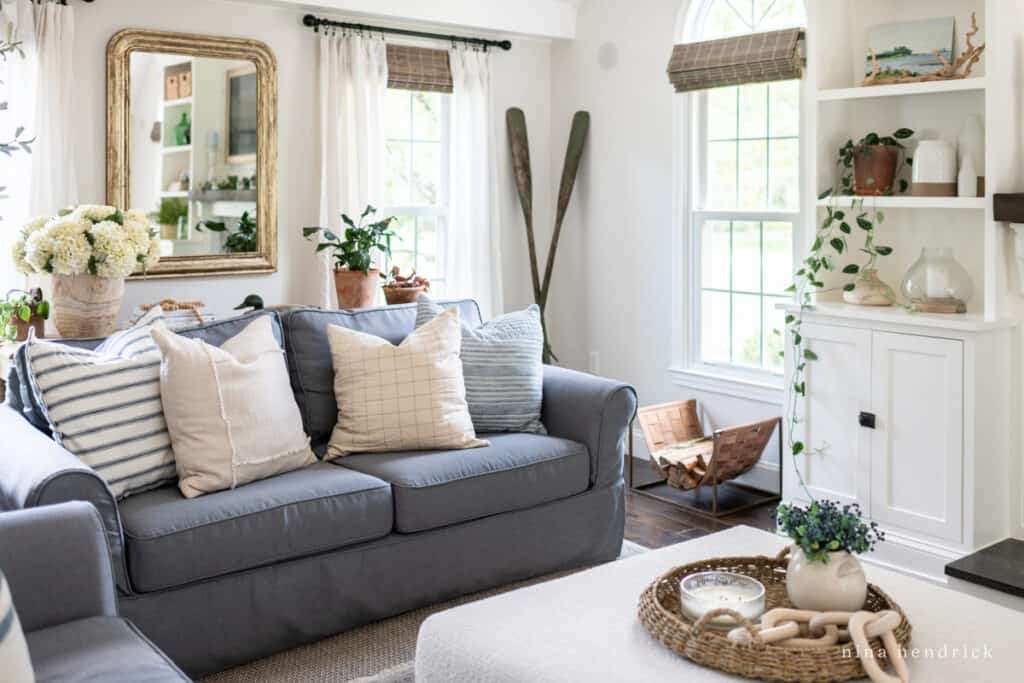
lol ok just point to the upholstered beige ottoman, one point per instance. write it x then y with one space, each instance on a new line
584 627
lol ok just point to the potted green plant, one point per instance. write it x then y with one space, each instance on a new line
241 241
21 311
401 289
823 573
171 216
356 279
870 166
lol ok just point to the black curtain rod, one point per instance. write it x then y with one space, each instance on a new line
316 22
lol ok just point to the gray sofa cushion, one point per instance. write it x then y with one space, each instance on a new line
309 356
215 333
436 488
171 540
107 649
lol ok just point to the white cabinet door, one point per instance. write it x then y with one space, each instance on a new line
837 463
917 443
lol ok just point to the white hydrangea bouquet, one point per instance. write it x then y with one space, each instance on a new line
102 241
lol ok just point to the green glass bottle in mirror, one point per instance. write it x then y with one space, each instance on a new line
183 131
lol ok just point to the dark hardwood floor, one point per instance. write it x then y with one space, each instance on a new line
653 523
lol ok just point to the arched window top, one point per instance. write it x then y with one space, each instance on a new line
725 18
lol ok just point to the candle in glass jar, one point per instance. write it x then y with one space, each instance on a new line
720 596
705 591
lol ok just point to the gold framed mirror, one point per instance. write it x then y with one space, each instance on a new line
192 142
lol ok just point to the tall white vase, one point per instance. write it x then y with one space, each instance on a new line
967 179
85 305
970 143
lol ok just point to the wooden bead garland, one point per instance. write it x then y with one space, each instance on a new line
782 627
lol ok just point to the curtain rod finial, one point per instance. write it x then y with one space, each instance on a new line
310 20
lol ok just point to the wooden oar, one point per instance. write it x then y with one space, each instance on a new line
573 154
519 144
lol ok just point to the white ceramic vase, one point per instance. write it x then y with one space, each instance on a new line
967 179
85 305
838 585
934 171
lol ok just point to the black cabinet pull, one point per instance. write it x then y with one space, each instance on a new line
867 420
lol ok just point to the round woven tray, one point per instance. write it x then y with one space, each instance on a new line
660 614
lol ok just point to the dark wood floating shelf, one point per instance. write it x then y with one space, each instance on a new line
1008 207
999 566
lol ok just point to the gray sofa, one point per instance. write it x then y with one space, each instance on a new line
232 576
56 561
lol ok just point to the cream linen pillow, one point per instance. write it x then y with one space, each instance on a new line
230 410
399 398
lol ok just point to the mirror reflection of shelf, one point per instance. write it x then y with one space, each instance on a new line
182 101
177 148
248 196
169 195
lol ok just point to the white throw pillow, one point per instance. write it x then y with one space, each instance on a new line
104 405
399 398
230 410
15 665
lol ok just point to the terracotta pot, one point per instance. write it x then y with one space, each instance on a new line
402 295
355 288
874 173
34 323
85 305
838 585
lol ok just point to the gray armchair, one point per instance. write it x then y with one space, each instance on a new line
57 564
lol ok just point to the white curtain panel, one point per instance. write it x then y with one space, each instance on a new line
353 79
473 244
54 181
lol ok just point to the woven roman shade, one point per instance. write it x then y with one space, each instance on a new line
418 68
750 58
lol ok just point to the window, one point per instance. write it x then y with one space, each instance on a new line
745 201
416 181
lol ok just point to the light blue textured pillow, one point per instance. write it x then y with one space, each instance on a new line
502 368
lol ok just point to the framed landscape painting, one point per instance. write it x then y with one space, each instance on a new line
910 48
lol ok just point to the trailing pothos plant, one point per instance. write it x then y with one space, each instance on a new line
833 240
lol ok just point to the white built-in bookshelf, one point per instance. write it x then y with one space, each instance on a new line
837 108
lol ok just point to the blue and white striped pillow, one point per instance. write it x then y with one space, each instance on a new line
104 405
502 367
14 659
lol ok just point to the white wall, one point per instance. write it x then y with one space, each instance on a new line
612 292
521 78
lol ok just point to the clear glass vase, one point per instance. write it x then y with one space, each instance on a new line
937 283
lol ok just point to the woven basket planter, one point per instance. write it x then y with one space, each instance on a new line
660 614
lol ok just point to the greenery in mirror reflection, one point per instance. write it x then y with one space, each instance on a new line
241 240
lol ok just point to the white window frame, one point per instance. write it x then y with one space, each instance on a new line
688 369
441 211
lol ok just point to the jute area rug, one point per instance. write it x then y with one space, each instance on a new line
381 652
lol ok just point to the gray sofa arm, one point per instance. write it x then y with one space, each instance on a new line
593 411
35 471
57 564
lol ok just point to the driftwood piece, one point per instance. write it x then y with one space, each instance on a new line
960 68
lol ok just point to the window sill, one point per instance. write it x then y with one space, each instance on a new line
737 387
